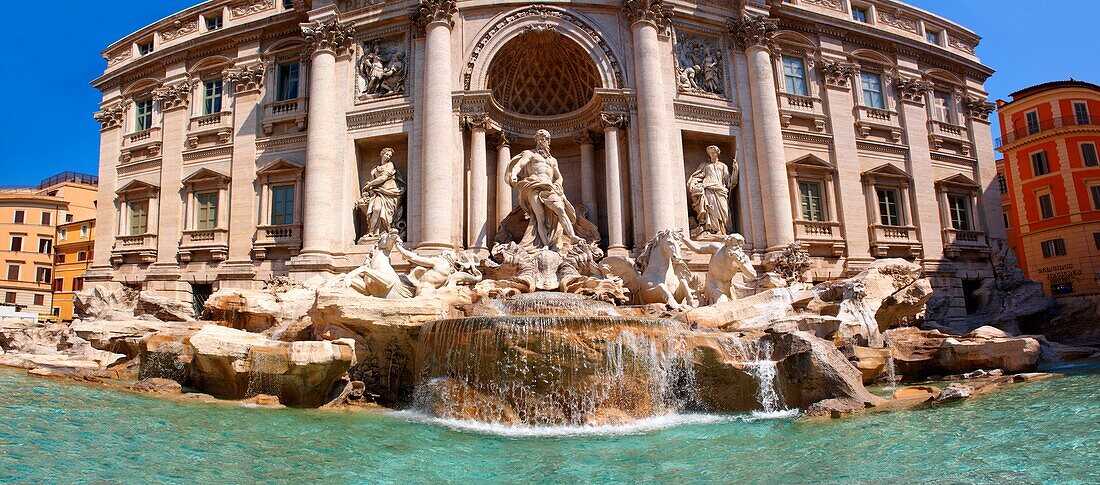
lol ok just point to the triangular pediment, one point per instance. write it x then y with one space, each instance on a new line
811 161
204 175
958 180
279 166
887 171
137 186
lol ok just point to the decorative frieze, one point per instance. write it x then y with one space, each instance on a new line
838 74
380 117
829 4
173 96
246 79
430 11
119 56
648 11
978 108
699 65
249 7
965 45
913 90
330 35
707 114
111 116
753 30
179 29
897 19
381 69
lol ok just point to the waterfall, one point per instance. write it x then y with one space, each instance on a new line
891 372
756 355
264 376
165 363
555 304
553 370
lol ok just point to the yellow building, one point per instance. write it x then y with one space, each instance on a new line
29 218
74 255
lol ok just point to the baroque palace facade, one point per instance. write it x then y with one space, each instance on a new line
238 135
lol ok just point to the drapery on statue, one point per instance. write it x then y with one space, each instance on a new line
726 262
709 188
535 175
380 202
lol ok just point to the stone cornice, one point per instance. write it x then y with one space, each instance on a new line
428 12
753 30
330 35
378 117
654 11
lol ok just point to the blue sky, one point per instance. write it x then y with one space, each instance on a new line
48 126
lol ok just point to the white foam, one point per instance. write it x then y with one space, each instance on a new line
640 426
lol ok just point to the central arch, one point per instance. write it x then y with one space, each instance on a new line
542 73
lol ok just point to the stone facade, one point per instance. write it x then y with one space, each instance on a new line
247 141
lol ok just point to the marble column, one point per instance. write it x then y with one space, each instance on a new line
437 126
754 33
612 123
478 230
504 191
326 40
654 126
588 175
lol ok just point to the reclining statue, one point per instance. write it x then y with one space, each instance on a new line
727 260
378 278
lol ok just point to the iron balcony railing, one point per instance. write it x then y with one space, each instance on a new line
75 177
1024 129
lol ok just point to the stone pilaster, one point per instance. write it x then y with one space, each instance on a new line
754 33
588 175
977 124
247 84
325 132
437 129
478 235
612 124
173 101
853 214
504 191
110 119
654 125
925 209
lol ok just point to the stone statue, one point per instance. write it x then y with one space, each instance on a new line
378 278
381 69
698 65
535 175
512 270
448 269
660 275
709 189
727 261
380 202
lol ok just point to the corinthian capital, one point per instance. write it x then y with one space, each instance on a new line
753 30
612 120
913 90
838 73
110 116
647 11
430 11
477 121
329 35
246 79
173 96
979 108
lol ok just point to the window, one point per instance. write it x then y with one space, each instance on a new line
888 208
941 109
9 297
58 284
212 97
145 48
1039 164
139 217
81 256
78 283
1088 154
282 205
213 22
810 194
46 218
932 36
859 14
83 230
20 216
287 80
13 272
959 207
1046 206
1005 216
1061 288
43 275
1032 118
1002 184
62 234
59 258
144 114
1096 239
794 74
1094 193
45 245
1081 112
39 300
872 90
68 218
206 210
16 243
1053 247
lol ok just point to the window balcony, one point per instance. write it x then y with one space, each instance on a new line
897 241
820 237
956 242
142 248
215 241
291 111
869 119
141 144
796 106
216 127
941 132
282 236
1024 130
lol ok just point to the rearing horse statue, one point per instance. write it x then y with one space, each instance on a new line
660 275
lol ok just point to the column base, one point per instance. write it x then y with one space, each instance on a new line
433 248
619 250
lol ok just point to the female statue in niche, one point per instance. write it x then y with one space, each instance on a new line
380 202
709 189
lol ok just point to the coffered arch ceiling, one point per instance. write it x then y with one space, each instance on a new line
542 73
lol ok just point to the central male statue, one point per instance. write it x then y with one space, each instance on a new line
535 175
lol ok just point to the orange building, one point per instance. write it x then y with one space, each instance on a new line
75 242
1050 183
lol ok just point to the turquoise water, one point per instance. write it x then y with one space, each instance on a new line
54 432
